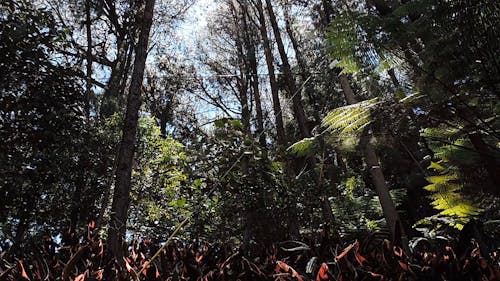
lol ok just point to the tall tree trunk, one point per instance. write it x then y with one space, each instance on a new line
326 207
164 116
251 61
371 158
256 95
293 227
121 196
297 106
110 104
106 198
79 207
291 167
372 161
113 96
280 130
251 66
76 197
243 87
88 90
301 62
22 227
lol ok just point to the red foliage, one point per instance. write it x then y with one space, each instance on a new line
371 259
322 273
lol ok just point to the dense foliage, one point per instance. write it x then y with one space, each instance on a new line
124 123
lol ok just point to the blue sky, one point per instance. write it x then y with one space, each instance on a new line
196 22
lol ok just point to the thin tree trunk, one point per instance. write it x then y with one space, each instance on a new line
76 200
106 198
121 196
293 227
297 106
251 65
394 79
242 81
88 90
110 103
372 161
78 207
163 121
303 69
292 212
328 217
388 206
280 131
256 95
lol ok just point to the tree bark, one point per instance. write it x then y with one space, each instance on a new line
88 89
388 206
326 206
293 227
121 196
303 69
256 95
280 130
372 161
242 81
251 65
110 103
371 158
297 106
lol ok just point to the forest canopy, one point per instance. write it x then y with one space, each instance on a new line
249 140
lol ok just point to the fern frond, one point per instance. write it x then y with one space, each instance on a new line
445 133
453 204
442 179
349 66
436 166
455 208
358 124
442 187
304 147
411 98
463 209
350 118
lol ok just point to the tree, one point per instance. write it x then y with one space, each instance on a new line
440 81
44 129
291 87
121 196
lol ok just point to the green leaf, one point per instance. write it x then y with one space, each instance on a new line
197 182
350 118
220 123
236 123
305 147
435 166
349 66
411 98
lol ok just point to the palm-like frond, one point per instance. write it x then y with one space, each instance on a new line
454 204
447 196
304 147
443 183
350 118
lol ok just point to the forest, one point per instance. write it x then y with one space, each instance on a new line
250 140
